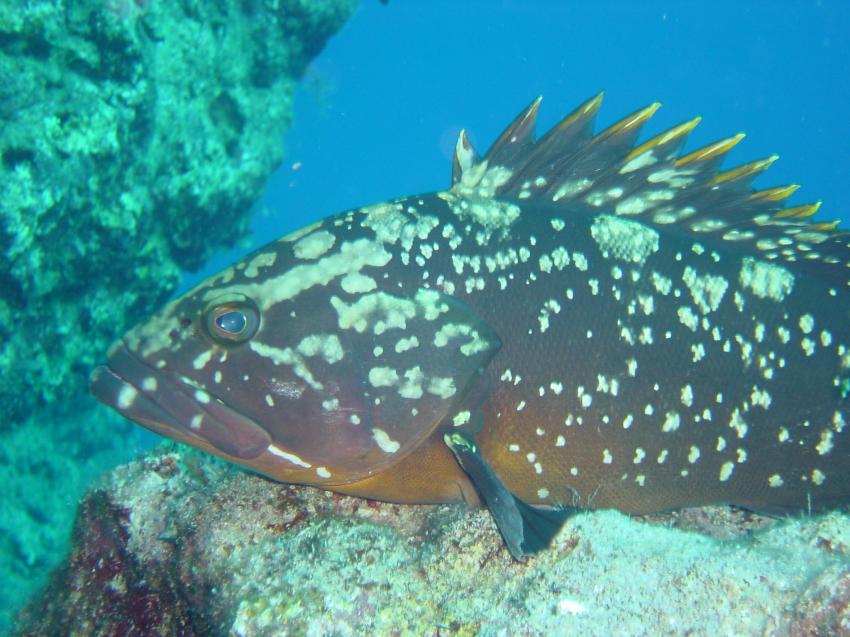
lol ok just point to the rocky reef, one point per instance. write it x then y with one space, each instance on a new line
136 136
181 544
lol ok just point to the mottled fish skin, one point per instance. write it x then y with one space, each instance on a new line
616 326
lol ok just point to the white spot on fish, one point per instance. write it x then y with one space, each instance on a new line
808 346
688 318
442 387
357 283
825 445
406 344
624 239
314 245
671 422
687 396
263 260
807 323
387 444
383 377
737 423
286 357
766 280
202 359
707 290
693 454
326 345
289 457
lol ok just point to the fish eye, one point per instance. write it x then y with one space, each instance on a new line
231 321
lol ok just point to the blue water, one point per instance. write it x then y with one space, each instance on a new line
379 111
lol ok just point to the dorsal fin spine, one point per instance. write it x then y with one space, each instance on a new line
777 193
826 225
628 123
711 151
746 170
464 158
799 212
665 138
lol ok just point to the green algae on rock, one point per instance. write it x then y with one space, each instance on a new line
243 556
127 125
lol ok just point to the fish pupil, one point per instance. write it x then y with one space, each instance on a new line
232 322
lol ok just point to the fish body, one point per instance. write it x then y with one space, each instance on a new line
612 325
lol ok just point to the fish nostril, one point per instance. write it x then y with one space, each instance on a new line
174 333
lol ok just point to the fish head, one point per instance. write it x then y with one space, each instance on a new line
306 361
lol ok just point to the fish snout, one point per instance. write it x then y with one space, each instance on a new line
168 405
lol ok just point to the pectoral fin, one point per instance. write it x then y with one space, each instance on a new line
526 529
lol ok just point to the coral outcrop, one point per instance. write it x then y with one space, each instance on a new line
136 135
182 544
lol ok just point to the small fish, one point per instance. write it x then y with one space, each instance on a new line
577 322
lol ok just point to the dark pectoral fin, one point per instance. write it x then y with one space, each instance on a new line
539 525
525 528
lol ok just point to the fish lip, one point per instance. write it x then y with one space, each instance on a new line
163 402
121 388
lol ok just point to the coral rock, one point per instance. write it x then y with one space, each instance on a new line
127 127
182 542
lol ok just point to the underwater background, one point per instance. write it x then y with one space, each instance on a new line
369 108
778 71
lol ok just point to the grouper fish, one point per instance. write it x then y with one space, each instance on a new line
579 321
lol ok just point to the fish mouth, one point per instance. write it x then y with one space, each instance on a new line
168 405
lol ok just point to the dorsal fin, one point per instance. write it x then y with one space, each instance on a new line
464 158
572 170
517 138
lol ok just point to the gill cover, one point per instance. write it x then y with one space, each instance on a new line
381 378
